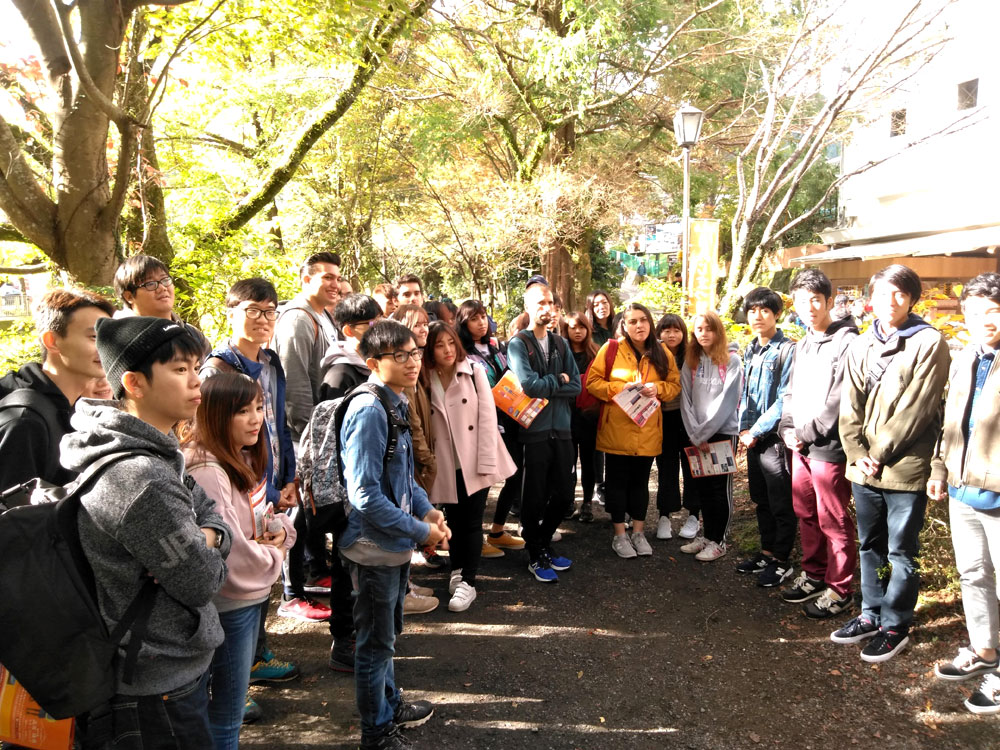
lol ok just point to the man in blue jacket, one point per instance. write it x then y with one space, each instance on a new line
767 364
389 515
545 368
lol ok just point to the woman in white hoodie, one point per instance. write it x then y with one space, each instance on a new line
711 383
470 454
227 455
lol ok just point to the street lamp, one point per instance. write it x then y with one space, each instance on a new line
687 128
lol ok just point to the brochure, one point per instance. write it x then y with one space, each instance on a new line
509 398
24 723
638 407
719 459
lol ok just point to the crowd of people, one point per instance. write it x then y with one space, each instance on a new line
224 487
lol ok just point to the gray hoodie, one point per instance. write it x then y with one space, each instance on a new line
300 339
138 518
343 369
811 411
710 398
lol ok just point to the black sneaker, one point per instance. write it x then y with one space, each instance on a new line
600 495
391 740
855 631
803 589
342 656
774 574
414 714
967 664
885 645
986 700
829 604
586 513
754 564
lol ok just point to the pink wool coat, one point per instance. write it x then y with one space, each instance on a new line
471 426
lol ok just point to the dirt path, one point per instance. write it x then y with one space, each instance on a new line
647 653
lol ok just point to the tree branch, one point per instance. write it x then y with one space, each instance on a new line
44 25
10 233
24 270
21 197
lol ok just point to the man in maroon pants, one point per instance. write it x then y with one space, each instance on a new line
809 427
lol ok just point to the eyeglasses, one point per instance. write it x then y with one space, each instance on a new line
255 312
401 356
150 286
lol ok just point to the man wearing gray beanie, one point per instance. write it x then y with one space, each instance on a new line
144 517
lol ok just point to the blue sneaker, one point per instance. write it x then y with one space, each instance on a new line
542 572
271 669
556 562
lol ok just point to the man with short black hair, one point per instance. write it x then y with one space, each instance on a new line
390 513
145 287
303 332
143 517
38 399
410 290
343 367
767 366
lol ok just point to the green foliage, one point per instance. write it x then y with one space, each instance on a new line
18 344
660 296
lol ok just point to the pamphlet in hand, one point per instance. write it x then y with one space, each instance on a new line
718 459
263 511
25 723
509 398
638 406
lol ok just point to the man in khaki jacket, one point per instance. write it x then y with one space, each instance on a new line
890 415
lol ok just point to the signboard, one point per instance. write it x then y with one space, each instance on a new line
703 266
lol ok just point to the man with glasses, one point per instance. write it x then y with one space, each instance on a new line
252 309
145 287
343 367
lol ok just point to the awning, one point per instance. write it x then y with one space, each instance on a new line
944 243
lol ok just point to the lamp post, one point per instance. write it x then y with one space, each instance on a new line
687 129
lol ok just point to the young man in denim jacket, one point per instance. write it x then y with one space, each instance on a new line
389 515
767 364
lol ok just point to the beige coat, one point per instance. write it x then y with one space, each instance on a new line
465 424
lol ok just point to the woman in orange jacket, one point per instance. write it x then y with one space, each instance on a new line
640 364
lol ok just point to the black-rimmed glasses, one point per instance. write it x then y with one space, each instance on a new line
150 286
401 355
255 312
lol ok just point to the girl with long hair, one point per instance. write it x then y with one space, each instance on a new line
474 332
227 454
471 457
642 363
711 383
583 424
600 313
672 332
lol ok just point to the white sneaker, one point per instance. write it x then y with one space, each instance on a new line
695 546
556 536
622 546
642 547
690 528
456 578
711 551
663 529
462 597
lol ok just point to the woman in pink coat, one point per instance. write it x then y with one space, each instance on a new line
470 455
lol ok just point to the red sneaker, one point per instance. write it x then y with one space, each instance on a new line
319 585
304 608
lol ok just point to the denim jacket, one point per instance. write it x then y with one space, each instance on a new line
760 406
375 517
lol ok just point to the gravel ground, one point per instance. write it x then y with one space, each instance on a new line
653 652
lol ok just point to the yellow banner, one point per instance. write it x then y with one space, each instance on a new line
703 265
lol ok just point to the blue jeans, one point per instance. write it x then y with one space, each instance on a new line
889 524
177 720
231 675
378 619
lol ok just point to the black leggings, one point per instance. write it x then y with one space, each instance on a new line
672 459
465 518
714 496
511 489
584 445
626 483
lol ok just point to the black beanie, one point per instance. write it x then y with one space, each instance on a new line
124 344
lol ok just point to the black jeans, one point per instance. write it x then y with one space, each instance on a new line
627 486
714 496
177 720
465 519
547 491
770 482
510 493
671 460
329 519
584 448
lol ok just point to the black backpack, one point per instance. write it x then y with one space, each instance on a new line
40 404
55 642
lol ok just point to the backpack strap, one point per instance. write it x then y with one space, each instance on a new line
34 401
609 356
783 354
136 620
218 363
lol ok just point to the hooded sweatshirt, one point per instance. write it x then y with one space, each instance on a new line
343 368
142 517
890 408
811 410
710 398
300 339
27 448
